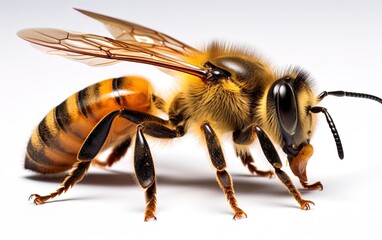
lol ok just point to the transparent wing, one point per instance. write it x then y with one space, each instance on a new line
98 51
136 34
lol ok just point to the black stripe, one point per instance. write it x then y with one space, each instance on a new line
48 138
38 154
82 97
44 133
87 98
64 120
116 86
96 94
62 116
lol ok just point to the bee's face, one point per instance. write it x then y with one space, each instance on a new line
289 100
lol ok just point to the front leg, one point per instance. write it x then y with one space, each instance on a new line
223 177
274 159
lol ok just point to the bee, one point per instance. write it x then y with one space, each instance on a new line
224 90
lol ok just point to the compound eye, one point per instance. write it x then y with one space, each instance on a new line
287 108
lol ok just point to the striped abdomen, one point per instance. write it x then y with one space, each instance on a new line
58 138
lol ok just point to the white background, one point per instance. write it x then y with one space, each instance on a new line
340 44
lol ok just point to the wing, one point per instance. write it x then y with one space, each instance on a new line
136 34
98 51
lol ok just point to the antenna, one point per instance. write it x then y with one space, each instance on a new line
348 94
332 127
331 124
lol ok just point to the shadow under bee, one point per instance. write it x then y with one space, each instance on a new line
244 184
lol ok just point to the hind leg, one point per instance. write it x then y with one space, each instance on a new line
223 177
87 153
76 174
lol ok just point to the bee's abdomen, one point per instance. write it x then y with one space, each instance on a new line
56 141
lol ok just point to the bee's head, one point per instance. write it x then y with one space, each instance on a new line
291 107
288 102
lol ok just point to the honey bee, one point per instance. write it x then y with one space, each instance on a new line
225 89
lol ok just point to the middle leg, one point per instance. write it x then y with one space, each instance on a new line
223 177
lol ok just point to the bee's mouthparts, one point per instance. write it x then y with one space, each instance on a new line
299 162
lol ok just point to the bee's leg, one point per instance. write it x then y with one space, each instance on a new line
87 153
145 173
273 157
94 142
247 160
78 171
143 162
223 177
250 163
116 154
144 165
314 186
242 138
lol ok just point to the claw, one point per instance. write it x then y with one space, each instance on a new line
305 204
149 217
239 215
38 200
31 196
